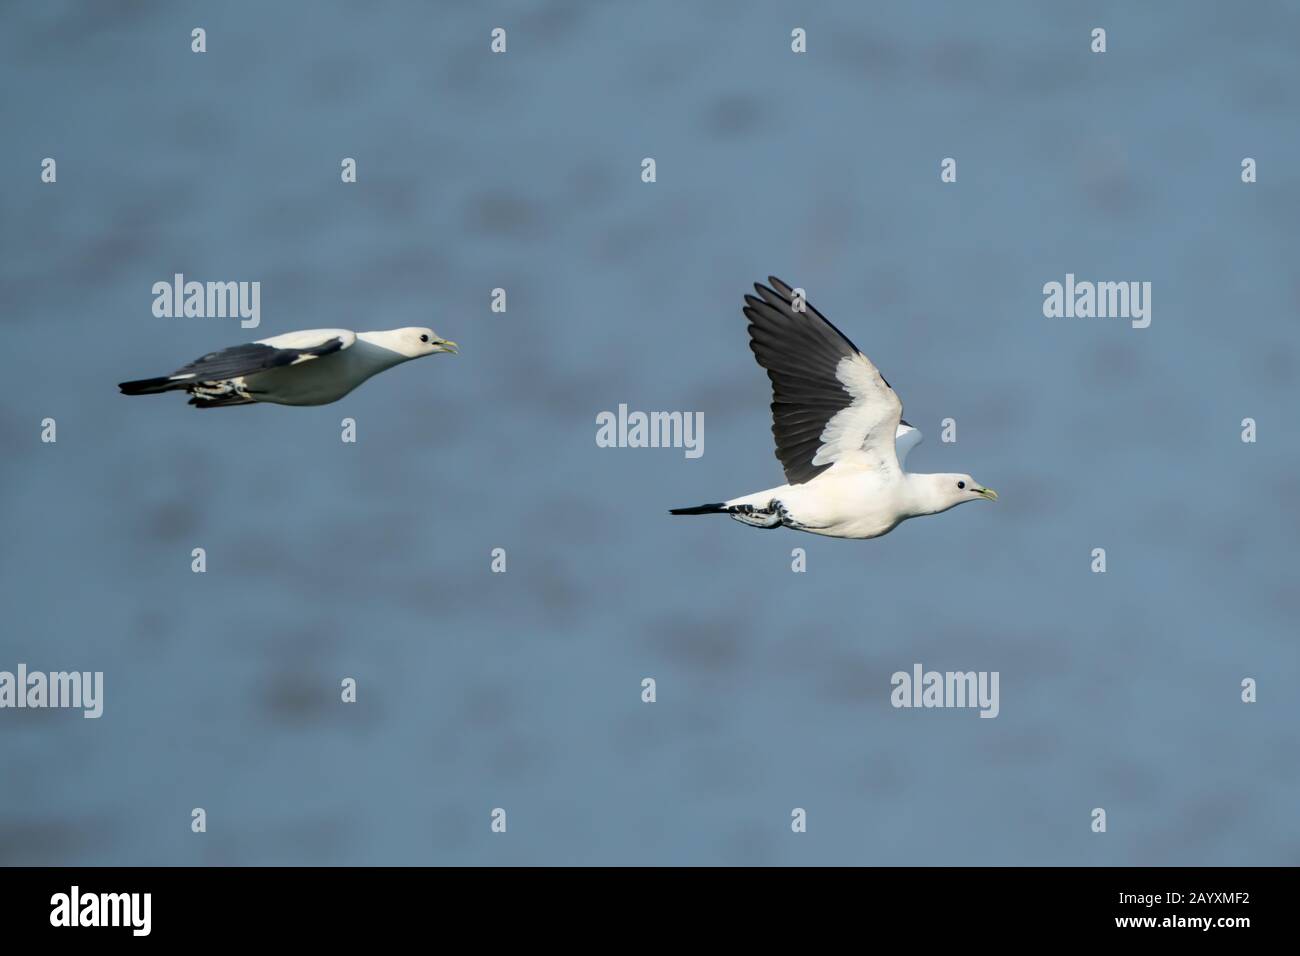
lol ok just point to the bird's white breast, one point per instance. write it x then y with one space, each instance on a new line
849 503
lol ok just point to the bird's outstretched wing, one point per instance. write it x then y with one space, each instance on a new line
292 348
829 402
907 438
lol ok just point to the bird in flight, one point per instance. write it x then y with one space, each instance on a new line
840 435
312 367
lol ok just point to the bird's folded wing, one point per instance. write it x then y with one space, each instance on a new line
291 348
829 402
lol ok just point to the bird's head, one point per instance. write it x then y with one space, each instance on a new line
941 492
416 342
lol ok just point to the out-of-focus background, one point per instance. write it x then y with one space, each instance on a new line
522 690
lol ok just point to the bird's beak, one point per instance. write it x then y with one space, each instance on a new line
988 493
448 346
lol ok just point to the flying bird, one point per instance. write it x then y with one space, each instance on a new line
840 435
312 367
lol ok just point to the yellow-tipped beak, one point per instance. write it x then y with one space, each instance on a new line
449 346
988 493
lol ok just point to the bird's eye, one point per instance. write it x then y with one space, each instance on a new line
961 484
424 338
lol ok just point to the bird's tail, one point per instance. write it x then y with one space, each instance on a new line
717 508
756 516
150 386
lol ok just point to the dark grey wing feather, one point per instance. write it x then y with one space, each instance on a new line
250 359
802 353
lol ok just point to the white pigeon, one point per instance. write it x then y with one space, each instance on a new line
312 367
839 433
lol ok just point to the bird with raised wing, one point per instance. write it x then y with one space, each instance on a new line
840 435
312 367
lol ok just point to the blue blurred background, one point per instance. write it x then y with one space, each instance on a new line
522 690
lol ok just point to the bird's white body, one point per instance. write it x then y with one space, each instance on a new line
854 498
323 380
839 506
850 503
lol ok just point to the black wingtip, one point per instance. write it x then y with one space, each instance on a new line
778 293
782 288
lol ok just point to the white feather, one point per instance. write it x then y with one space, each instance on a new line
863 433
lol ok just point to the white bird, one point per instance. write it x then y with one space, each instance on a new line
312 367
839 433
